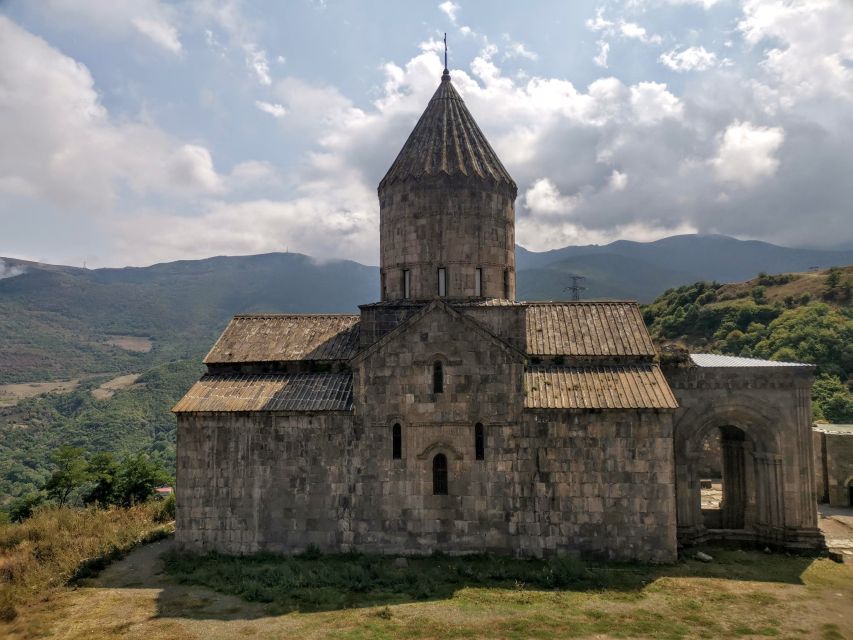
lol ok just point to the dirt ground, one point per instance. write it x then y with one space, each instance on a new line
131 343
836 523
133 598
108 389
11 394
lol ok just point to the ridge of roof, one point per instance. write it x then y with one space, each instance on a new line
447 141
436 303
294 315
543 303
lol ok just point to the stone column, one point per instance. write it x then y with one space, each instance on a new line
768 472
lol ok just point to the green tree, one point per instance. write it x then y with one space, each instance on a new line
70 474
103 470
137 478
832 399
23 507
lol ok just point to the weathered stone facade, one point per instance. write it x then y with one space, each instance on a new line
448 416
763 412
833 447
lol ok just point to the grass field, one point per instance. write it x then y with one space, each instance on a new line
156 594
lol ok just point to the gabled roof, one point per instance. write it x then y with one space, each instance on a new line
606 387
715 360
280 337
587 329
415 318
279 392
446 140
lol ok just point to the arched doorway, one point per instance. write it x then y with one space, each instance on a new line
733 487
723 486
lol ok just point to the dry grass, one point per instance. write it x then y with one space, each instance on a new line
11 394
108 389
137 344
810 282
57 545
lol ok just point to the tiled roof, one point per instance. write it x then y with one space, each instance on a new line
587 329
267 338
281 392
613 387
715 360
446 140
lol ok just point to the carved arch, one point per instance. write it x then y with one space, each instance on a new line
440 447
756 422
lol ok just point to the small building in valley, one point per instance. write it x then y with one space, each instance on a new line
448 416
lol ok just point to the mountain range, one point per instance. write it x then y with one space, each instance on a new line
59 321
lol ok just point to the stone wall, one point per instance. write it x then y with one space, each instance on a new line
771 406
834 461
554 482
458 223
597 484
257 481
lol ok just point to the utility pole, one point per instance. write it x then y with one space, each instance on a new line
576 287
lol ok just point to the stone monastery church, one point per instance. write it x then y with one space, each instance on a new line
449 416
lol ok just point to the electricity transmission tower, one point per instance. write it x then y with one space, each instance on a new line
576 287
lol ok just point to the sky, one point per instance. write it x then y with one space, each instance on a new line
143 131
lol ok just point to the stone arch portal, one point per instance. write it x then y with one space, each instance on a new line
753 485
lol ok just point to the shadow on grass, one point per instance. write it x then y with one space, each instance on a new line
270 584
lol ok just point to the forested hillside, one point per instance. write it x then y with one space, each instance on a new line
135 419
800 317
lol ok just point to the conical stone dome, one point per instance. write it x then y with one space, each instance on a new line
446 140
447 210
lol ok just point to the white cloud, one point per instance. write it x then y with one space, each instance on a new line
543 197
603 51
618 180
152 19
450 9
689 59
810 44
518 50
61 144
275 110
746 153
652 103
7 271
621 28
256 60
636 32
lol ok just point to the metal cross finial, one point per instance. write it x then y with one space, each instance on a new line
445 51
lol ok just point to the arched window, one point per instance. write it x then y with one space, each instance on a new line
407 284
479 442
439 475
396 441
437 377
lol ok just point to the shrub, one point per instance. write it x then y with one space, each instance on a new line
23 507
